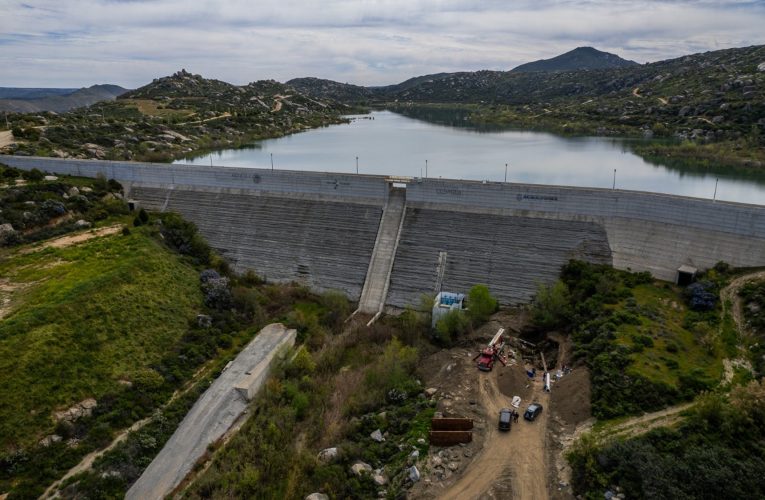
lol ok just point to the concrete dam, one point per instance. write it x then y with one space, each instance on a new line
385 240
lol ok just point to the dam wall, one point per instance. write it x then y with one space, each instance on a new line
321 244
320 228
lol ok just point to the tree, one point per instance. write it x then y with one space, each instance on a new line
481 304
551 305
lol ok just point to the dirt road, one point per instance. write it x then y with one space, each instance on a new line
519 453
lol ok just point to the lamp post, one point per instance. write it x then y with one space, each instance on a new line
614 186
272 162
714 196
357 164
505 172
426 169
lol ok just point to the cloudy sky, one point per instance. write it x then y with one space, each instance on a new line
74 43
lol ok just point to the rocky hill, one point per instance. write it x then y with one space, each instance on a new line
709 98
174 116
577 59
57 100
328 89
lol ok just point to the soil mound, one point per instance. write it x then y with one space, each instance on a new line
570 399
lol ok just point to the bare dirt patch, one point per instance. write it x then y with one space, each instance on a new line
73 239
7 291
495 464
6 138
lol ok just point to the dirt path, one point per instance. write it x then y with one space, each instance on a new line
224 115
636 92
6 138
87 462
641 424
520 452
73 239
730 293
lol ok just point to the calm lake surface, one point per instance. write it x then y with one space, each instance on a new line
388 143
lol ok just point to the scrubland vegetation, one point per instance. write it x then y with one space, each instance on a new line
650 345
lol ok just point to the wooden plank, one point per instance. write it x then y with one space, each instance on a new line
451 424
450 438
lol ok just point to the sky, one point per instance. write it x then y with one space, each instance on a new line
78 43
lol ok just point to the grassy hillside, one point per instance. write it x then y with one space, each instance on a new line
645 346
84 321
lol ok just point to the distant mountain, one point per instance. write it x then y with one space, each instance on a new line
31 93
37 100
578 59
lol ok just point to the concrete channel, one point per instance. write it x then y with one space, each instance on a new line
213 414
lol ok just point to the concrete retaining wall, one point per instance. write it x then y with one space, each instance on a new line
212 415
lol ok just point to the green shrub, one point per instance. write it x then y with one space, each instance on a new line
33 175
480 304
452 325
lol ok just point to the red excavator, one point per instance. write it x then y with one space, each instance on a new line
492 352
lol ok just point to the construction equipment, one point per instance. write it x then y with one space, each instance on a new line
492 352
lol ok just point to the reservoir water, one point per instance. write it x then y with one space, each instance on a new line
388 143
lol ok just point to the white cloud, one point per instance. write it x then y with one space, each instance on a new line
80 42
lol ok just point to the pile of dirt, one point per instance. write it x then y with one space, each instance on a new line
570 401
513 381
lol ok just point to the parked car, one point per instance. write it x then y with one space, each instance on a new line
505 418
532 411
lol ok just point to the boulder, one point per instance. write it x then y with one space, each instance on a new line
414 474
82 224
327 455
49 440
317 496
377 436
761 66
361 467
50 178
378 476
430 392
82 409
6 229
86 189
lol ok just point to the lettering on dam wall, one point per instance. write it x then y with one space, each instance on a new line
449 191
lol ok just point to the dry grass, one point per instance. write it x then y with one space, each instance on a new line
152 108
